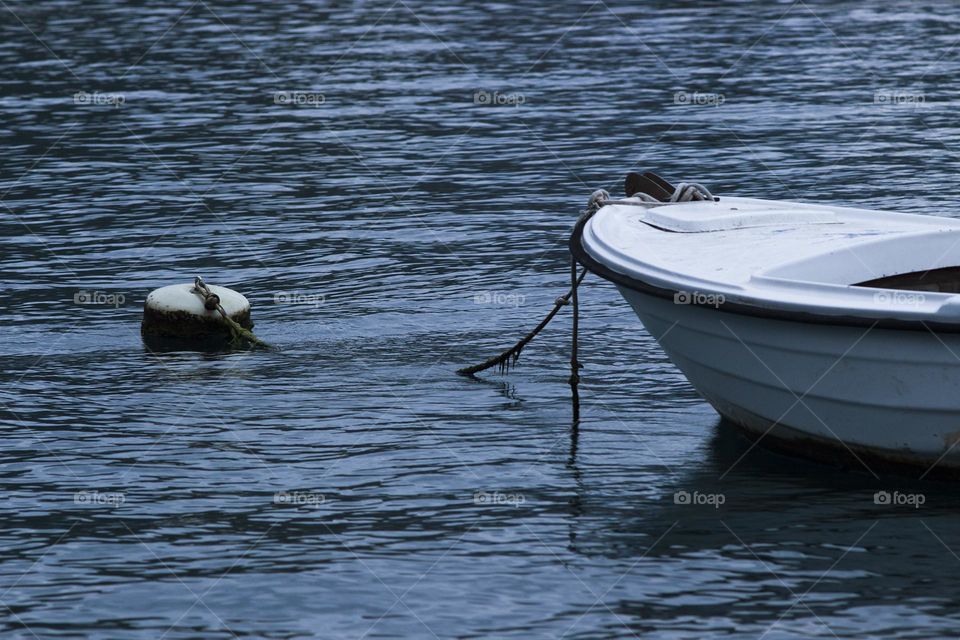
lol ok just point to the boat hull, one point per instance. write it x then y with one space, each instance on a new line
878 398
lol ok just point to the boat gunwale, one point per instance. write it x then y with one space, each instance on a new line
583 257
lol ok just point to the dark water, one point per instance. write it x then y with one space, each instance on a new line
425 231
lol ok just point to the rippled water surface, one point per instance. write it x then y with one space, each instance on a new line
414 197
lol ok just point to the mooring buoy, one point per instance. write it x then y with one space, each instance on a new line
197 315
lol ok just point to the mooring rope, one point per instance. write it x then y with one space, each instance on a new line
684 192
509 357
211 302
574 362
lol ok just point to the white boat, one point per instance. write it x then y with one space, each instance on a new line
830 331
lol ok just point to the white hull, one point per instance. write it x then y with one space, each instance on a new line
823 329
864 393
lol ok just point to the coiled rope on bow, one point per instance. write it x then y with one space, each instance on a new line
687 191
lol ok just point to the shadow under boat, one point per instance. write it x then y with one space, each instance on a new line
762 491
794 542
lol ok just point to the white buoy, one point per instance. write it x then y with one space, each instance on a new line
178 312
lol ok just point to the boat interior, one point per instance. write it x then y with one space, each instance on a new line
943 280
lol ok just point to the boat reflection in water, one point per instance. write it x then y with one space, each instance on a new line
757 542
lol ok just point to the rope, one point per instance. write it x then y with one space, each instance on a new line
509 357
684 192
211 302
574 362
687 191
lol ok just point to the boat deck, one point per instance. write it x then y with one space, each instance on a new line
782 254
